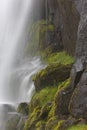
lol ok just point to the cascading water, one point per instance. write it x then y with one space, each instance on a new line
15 69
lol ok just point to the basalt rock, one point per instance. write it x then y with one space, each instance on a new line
70 20
78 103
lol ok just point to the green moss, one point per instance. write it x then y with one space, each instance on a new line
51 123
52 111
78 127
57 127
32 118
62 98
64 85
42 109
44 96
39 123
50 27
60 57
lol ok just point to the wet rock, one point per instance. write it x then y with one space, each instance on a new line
23 108
4 110
21 123
12 121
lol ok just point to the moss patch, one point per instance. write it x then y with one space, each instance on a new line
62 99
44 96
59 57
78 127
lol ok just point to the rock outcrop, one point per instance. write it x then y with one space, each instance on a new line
51 76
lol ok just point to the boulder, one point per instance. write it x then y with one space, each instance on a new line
51 75
23 108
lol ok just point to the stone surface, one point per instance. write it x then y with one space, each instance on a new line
78 103
70 19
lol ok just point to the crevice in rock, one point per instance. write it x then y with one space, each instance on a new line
78 77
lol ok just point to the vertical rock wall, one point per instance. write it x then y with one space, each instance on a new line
78 103
70 19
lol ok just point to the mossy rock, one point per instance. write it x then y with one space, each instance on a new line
23 108
78 127
45 111
62 98
33 118
51 75
51 123
52 110
65 124
40 125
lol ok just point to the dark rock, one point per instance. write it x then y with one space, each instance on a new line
45 111
23 108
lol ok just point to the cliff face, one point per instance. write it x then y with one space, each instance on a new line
78 102
65 15
70 19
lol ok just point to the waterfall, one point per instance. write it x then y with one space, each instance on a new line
16 69
13 33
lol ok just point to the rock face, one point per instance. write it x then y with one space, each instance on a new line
70 19
65 16
78 5
78 103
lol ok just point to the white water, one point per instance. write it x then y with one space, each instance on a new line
16 69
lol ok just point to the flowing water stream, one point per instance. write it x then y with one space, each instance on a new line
16 69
